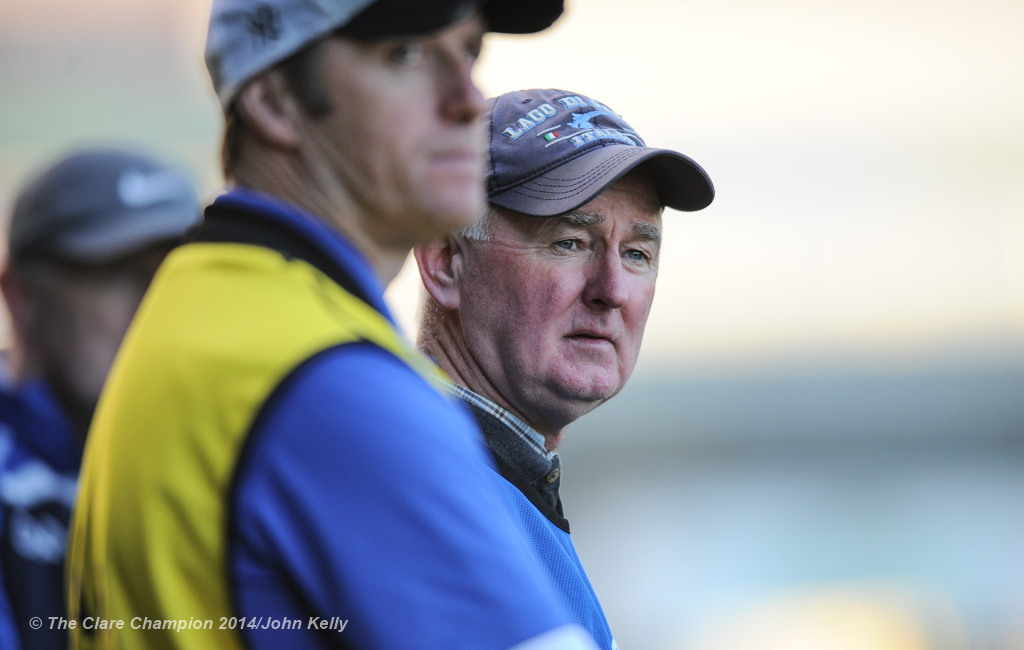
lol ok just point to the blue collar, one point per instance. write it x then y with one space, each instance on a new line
37 422
324 247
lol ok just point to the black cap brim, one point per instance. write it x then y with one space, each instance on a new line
522 16
410 17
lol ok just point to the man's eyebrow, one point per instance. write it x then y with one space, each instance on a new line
648 231
583 218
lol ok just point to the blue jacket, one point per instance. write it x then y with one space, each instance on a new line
39 460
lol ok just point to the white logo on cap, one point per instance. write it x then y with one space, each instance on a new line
141 189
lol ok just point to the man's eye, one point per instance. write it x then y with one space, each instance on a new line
406 54
474 49
568 244
637 255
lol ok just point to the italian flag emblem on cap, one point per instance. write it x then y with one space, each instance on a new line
550 135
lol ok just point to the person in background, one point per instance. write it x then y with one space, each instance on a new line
272 461
536 312
85 238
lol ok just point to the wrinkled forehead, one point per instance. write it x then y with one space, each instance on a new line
634 196
643 222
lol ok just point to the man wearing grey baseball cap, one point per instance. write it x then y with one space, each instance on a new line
536 313
271 455
85 238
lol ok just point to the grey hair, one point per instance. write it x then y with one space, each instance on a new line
479 230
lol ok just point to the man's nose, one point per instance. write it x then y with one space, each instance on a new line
462 100
606 282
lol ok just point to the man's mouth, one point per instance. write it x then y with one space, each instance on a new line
458 155
589 336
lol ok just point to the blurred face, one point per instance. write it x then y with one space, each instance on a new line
553 309
402 136
73 320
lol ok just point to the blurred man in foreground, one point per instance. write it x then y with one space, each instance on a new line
85 237
536 313
271 462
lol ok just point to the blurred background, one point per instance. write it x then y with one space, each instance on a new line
823 443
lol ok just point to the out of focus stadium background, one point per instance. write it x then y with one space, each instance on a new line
823 444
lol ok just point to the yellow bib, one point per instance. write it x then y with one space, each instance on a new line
222 326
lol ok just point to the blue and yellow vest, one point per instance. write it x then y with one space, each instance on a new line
222 326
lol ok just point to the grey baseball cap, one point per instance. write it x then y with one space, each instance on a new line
552 151
96 205
246 37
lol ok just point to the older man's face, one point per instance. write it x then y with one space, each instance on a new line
554 309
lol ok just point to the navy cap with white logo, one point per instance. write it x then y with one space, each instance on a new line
552 151
96 205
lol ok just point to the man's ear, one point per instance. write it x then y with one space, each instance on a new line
19 306
268 106
20 311
440 263
24 312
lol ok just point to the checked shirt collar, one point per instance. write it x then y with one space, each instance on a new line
523 450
